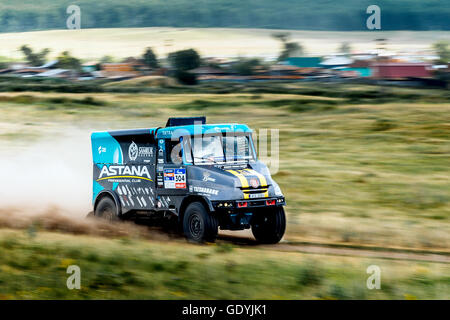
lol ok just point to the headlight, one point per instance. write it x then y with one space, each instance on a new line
224 204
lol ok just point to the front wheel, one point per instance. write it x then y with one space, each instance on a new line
198 224
106 209
269 225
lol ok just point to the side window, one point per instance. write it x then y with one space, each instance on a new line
173 152
187 149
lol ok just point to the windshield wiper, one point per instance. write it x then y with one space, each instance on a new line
209 158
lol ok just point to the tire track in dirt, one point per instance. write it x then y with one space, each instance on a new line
54 220
245 238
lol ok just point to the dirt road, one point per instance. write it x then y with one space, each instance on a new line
244 238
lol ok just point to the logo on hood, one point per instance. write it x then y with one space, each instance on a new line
254 183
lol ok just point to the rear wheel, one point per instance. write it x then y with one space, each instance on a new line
106 209
269 225
198 224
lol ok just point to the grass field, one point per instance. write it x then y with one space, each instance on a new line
34 267
123 42
368 168
359 165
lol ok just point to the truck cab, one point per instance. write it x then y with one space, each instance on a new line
205 175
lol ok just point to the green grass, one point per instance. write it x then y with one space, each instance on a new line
35 267
358 165
353 171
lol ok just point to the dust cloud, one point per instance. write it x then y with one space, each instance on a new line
53 172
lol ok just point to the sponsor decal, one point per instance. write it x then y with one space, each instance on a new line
146 152
205 190
133 151
101 150
207 177
124 171
175 178
180 178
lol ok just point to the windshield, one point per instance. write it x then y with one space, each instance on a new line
221 149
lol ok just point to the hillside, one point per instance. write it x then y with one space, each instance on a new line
287 14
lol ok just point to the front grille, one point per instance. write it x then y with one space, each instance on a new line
250 193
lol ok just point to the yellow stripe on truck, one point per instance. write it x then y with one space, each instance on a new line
242 179
262 179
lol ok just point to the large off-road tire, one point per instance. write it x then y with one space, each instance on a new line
106 209
198 224
269 225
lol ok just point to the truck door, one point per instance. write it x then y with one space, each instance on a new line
171 173
132 176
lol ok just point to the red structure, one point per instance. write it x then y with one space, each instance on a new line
401 70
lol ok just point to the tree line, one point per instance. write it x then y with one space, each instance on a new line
183 61
343 15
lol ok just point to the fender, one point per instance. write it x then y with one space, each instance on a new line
192 198
114 196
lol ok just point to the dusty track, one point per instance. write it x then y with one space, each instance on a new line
54 221
244 238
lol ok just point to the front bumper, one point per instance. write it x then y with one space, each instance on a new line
234 216
245 204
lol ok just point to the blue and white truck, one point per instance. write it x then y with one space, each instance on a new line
205 175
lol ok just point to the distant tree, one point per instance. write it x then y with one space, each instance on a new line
246 67
66 61
184 60
150 59
442 49
186 77
35 58
290 48
345 48
281 36
106 59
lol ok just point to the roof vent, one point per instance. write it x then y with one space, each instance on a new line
175 122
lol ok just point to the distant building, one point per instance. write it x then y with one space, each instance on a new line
401 70
361 68
304 62
334 62
208 73
56 73
118 71
28 71
90 66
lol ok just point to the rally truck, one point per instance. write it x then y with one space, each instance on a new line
203 176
